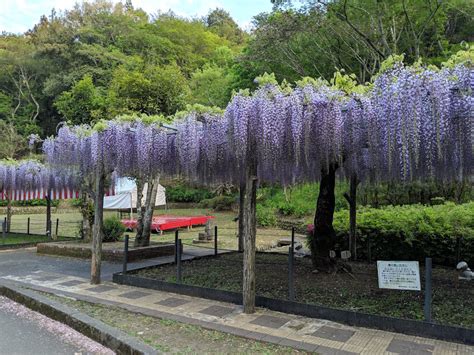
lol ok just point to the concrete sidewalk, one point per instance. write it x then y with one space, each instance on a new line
308 334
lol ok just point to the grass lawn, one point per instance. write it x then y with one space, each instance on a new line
69 222
171 336
358 292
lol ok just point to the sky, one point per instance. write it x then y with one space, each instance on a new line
17 16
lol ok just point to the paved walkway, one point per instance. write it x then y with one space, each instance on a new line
308 334
26 261
24 331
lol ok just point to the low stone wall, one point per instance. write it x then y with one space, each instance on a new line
109 253
299 225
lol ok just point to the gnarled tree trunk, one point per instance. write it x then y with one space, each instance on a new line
98 227
351 198
324 235
241 214
152 191
87 217
140 211
9 212
49 233
249 222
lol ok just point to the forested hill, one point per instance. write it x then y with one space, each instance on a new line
100 60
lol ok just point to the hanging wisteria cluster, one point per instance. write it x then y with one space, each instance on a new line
126 148
412 123
32 175
423 122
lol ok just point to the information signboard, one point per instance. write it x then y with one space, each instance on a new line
399 275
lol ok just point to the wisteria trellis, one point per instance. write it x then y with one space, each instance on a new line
413 123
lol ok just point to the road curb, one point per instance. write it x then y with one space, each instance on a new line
110 337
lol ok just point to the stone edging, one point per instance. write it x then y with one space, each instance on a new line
110 337
66 248
405 326
26 245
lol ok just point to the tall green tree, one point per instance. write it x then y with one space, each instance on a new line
220 22
20 80
43 70
312 38
211 86
155 90
83 104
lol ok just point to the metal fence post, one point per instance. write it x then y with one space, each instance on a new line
125 254
178 263
4 231
215 240
28 226
57 227
428 273
291 286
458 249
176 236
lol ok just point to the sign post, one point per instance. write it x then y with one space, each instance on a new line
428 272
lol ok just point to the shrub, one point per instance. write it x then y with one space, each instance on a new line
297 201
219 203
113 229
413 232
181 193
266 216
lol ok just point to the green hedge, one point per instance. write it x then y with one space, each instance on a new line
413 232
36 202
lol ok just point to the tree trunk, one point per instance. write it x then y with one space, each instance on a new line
140 211
352 200
87 218
241 214
48 216
9 212
152 191
249 222
98 227
324 235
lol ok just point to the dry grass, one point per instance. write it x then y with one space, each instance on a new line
227 228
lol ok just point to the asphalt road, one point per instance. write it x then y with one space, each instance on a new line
24 262
23 331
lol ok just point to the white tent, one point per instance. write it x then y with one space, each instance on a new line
126 196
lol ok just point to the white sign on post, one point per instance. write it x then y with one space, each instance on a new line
399 275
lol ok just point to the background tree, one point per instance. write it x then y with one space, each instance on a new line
156 90
83 104
12 144
94 40
211 86
220 22
311 38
